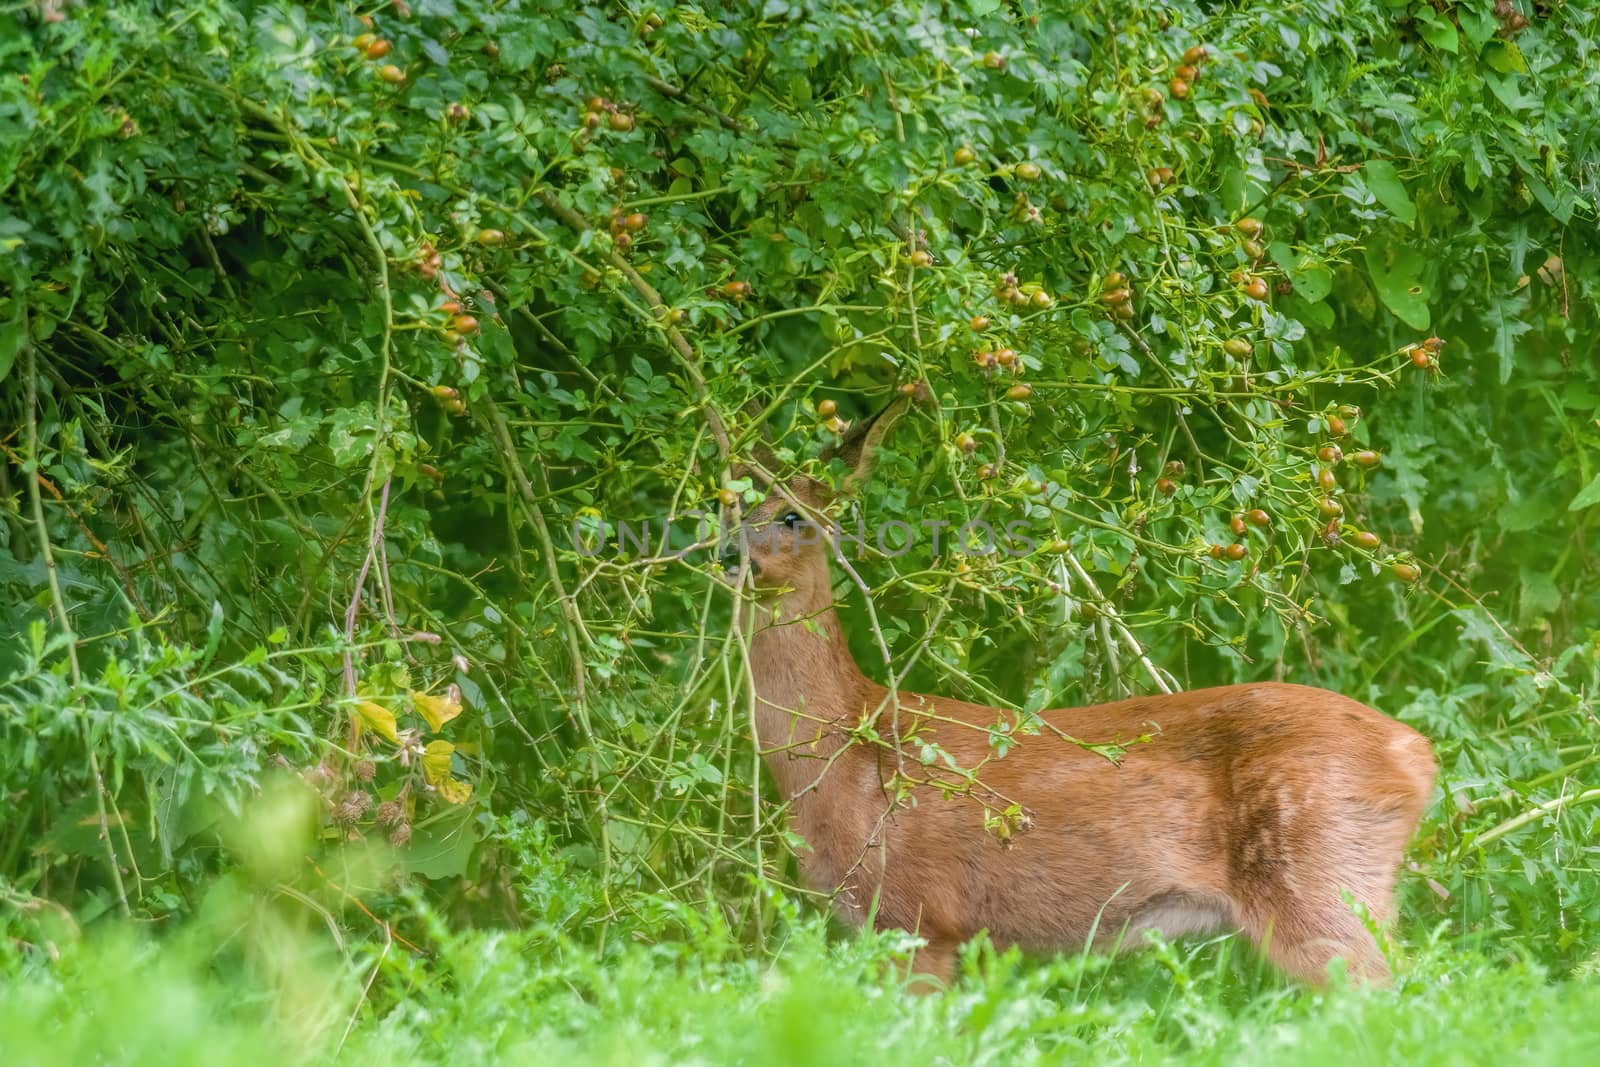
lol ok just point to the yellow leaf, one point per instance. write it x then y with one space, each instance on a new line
437 710
436 769
436 761
378 717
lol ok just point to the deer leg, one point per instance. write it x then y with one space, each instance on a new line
1303 945
933 966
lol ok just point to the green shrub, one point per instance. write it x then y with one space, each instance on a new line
321 361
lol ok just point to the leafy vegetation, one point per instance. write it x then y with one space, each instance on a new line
343 346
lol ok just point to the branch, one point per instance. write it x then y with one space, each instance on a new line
679 345
60 605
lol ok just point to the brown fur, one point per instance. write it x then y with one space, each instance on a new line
1251 808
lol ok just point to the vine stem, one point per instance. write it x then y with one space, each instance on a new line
1535 813
59 603
354 608
1107 612
571 622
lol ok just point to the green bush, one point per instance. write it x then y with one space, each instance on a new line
332 335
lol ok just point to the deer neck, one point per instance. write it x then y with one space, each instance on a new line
808 688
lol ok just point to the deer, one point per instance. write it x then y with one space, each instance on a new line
1264 809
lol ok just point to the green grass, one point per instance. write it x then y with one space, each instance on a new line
251 981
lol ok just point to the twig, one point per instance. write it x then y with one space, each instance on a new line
673 92
388 943
676 341
59 603
1535 813
571 621
83 528
1108 612
355 596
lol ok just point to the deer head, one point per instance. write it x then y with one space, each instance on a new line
785 541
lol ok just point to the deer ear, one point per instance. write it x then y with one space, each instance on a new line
763 462
860 445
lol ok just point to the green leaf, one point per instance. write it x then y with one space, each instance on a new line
1477 25
1505 57
1384 181
442 848
1397 274
1587 497
213 632
13 335
1313 281
1506 332
1436 30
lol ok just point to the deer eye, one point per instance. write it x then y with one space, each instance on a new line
793 519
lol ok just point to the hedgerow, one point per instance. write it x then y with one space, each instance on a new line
340 342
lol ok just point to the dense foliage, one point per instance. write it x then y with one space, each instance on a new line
342 347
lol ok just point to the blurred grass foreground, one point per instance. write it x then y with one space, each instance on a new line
335 335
